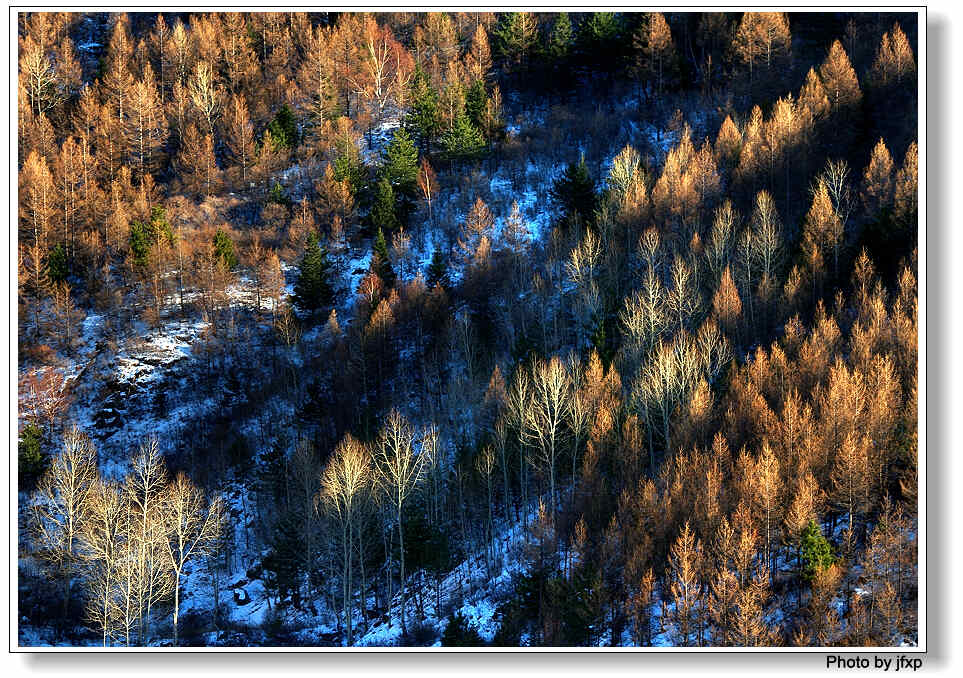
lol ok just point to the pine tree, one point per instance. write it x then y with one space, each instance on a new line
459 634
57 268
380 263
574 193
423 120
144 235
284 565
224 250
438 271
313 291
284 129
600 40
400 164
475 99
816 551
463 142
383 215
560 40
514 38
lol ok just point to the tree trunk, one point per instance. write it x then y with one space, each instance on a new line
401 546
177 602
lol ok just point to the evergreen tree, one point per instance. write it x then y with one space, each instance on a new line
380 263
400 164
559 45
600 40
423 119
463 142
57 264
31 461
312 290
278 196
224 249
274 476
475 100
140 243
284 129
459 634
514 36
817 553
574 192
383 215
144 235
348 167
284 565
438 271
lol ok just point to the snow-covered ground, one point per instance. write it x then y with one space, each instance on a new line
140 386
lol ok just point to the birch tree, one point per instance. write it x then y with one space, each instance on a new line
143 489
544 418
60 507
192 526
399 471
343 482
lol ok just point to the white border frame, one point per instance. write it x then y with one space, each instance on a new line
920 11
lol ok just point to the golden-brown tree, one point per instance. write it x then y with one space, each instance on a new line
839 79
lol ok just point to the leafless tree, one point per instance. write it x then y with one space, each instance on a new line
60 507
544 417
342 483
399 471
192 527
143 488
485 465
101 539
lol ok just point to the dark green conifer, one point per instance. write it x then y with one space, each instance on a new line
224 249
574 192
438 271
463 142
312 290
380 263
383 215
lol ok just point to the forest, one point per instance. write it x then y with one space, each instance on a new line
467 329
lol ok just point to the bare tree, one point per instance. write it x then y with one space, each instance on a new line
544 423
579 414
431 450
519 396
60 506
684 299
485 465
101 540
399 471
143 489
766 234
343 481
191 526
835 176
206 95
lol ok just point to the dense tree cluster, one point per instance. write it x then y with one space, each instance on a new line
680 410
